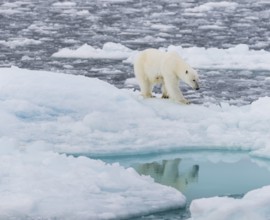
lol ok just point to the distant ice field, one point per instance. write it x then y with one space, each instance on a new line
32 31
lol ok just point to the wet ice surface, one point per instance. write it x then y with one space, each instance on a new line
31 31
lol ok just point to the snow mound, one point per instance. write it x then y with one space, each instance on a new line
254 205
109 51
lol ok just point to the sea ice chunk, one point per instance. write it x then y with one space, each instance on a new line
50 185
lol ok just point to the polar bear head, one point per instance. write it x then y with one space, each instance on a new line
184 71
190 77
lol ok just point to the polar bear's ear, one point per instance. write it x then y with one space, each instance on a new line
186 72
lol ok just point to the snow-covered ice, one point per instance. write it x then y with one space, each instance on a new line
47 185
109 51
44 111
64 4
254 205
19 42
35 103
36 107
209 6
237 57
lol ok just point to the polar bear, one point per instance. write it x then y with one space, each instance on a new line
153 66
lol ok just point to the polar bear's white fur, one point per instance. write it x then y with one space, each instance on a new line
152 67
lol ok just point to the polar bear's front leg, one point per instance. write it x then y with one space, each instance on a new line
172 87
164 91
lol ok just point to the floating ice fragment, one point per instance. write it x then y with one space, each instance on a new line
64 4
17 42
223 5
254 205
109 51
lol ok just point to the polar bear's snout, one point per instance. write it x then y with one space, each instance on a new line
197 87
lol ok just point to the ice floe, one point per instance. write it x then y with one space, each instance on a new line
109 51
64 4
48 185
254 205
19 42
37 183
237 57
209 6
75 108
44 114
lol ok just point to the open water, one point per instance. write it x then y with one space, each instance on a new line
199 174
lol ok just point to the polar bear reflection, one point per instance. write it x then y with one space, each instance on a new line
168 173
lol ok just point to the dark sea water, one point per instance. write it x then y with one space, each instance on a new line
32 30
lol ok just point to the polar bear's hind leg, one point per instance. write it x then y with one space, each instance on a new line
144 83
146 88
174 92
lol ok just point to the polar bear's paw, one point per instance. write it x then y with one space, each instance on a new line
164 96
184 102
